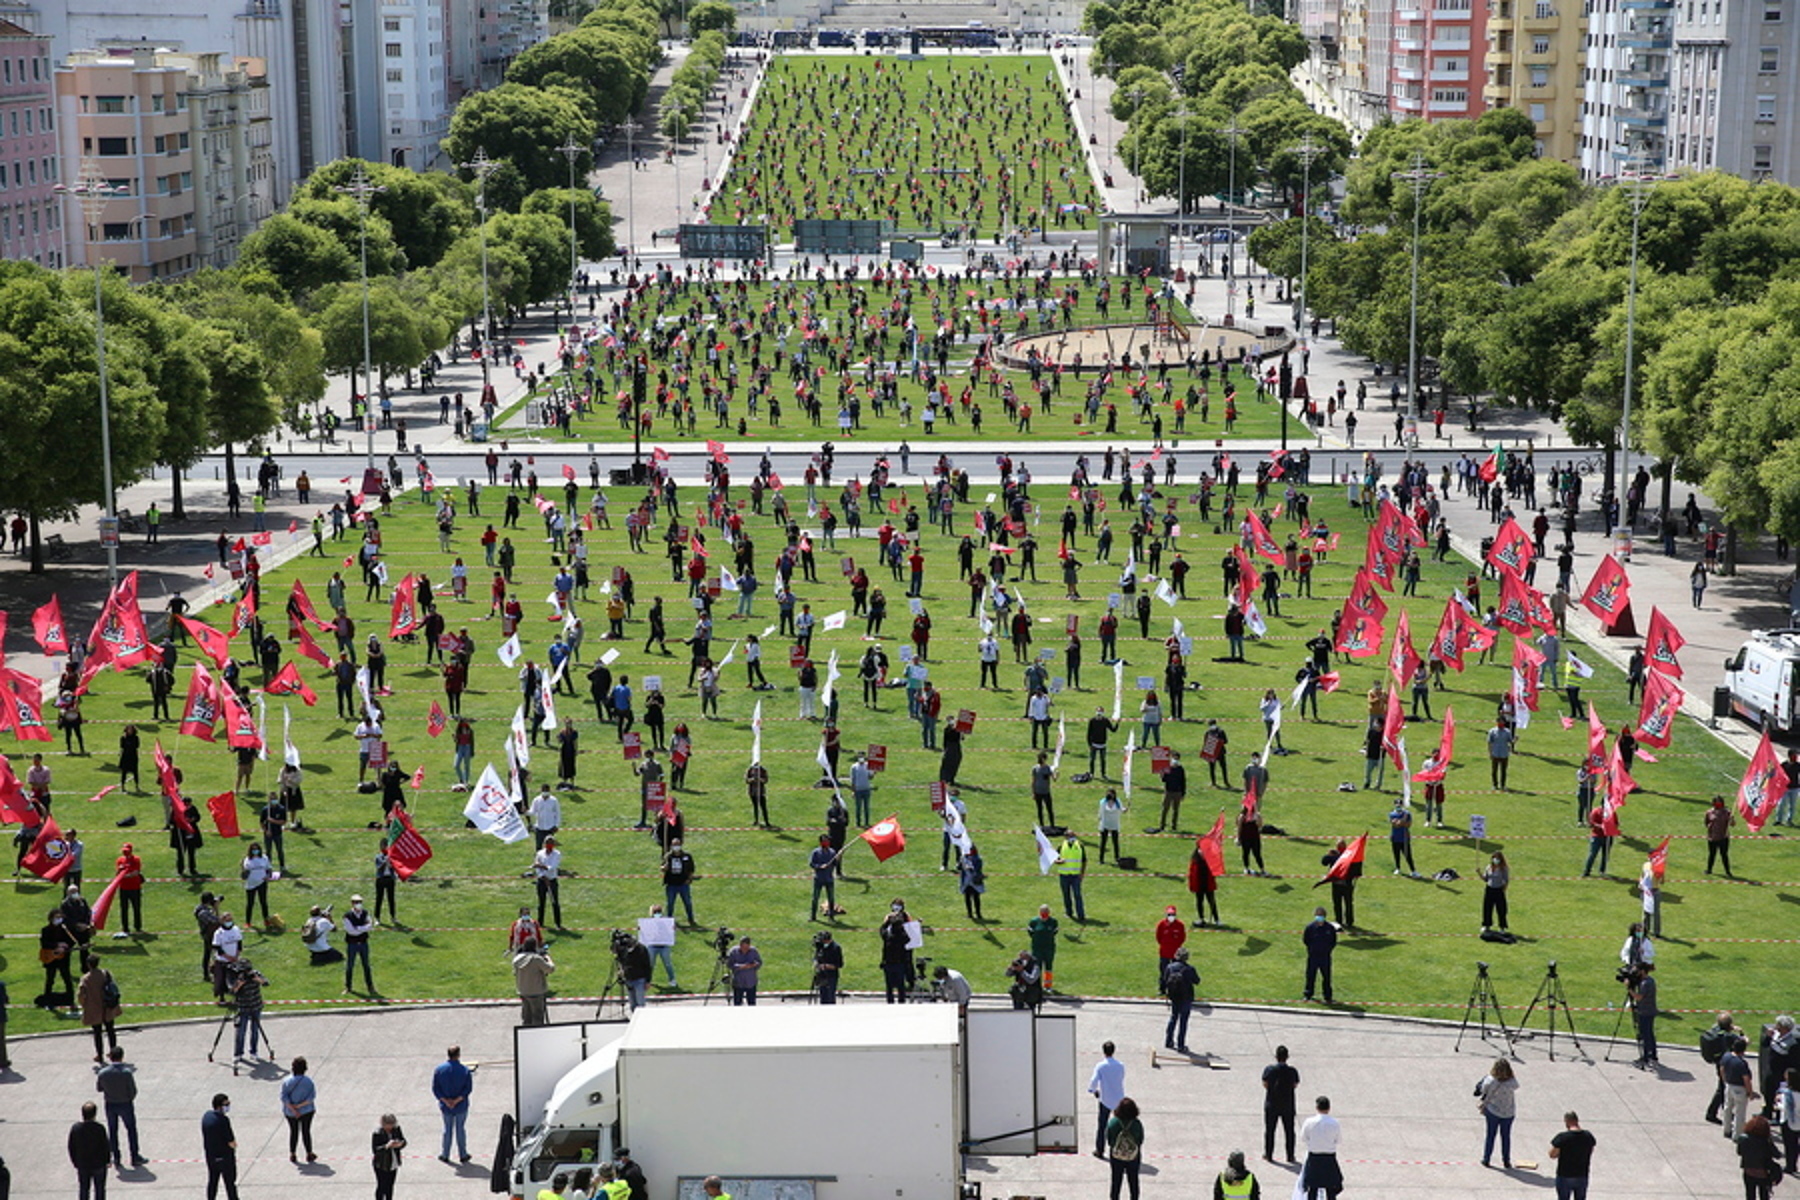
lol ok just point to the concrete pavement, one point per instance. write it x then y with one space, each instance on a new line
1400 1088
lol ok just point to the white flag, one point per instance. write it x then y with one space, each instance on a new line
756 731
1046 851
729 655
519 740
1580 669
1118 688
1298 693
1274 728
832 675
510 650
1177 628
492 811
836 620
957 831
727 581
549 698
291 753
368 696
1165 593
1464 601
769 630
1254 622
554 600
1062 738
1125 773
1521 714
262 726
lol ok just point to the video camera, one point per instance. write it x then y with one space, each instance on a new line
722 941
819 941
621 941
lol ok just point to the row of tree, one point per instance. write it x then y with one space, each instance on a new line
1524 285
691 83
1204 90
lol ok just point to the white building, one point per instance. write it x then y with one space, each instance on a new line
1625 86
1734 88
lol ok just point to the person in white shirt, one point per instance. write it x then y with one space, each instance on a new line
990 661
1108 1083
954 987
228 945
357 923
546 869
1320 1135
1637 949
315 931
255 871
546 816
368 737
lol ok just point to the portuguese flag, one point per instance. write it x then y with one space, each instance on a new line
1493 465
407 848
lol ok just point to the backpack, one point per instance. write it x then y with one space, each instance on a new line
109 991
1713 1043
1125 1147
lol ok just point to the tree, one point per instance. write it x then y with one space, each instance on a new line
523 126
174 357
1125 45
299 257
395 341
712 14
342 218
543 243
422 217
50 400
605 64
593 218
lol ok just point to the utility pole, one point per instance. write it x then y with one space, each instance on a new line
1307 151
362 191
1231 132
1419 180
1638 182
571 151
483 166
631 129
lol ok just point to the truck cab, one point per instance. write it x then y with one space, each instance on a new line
1762 677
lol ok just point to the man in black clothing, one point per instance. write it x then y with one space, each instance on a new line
1098 728
1279 1082
625 1168
1573 1150
1320 937
219 1145
1174 789
90 1152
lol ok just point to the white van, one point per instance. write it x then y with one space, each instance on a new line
1762 679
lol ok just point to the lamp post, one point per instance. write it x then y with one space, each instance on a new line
1137 146
483 166
1306 151
1638 182
93 191
571 151
1231 133
631 128
362 190
1181 190
1419 180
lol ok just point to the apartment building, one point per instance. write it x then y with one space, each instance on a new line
399 65
1734 88
1438 52
1534 64
30 210
1625 86
233 140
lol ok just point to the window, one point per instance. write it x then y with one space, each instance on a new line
109 104
1540 43
122 187
1762 158
391 25
28 120
1540 77
392 49
6 71
1770 62
113 147
161 144
1765 107
1538 114
396 75
1544 10
1772 10
182 142
116 231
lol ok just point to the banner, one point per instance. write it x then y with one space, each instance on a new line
1661 645
1761 788
1608 592
299 602
1211 846
407 848
287 682
1656 719
212 643
24 700
51 855
1341 870
404 612
1512 551
436 722
240 727
311 649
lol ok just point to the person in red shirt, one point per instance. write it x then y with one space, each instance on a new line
921 635
917 563
1171 935
130 870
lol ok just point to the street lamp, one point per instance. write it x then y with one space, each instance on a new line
1137 144
1419 180
631 129
1307 151
92 190
571 151
363 190
1232 133
1181 190
1638 182
483 166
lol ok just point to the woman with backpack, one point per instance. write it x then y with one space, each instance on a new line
1125 1146
98 995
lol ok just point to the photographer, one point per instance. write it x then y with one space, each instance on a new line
315 931
246 984
1641 989
828 966
1027 975
896 958
634 966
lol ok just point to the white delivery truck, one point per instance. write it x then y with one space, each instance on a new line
837 1102
1762 680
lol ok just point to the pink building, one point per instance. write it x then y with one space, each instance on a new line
30 211
1438 52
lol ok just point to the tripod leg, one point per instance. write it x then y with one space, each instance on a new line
223 1021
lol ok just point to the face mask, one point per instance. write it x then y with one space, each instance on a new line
894 908
225 1108
56 920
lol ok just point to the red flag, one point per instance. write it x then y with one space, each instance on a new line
1364 596
212 643
404 617
885 838
1618 788
1656 719
302 603
47 627
201 712
243 616
1212 846
1446 747
1527 659
1393 730
1492 465
1596 749
1608 592
1760 789
50 855
695 545
311 649
1447 642
1512 551
436 722
223 808
1403 660
14 808
1262 542
24 698
1388 537
262 538
1360 635
165 778
1661 645
240 726
287 682
1515 608
104 902
568 472
1350 858
407 848
418 778
1659 859
120 636
1377 567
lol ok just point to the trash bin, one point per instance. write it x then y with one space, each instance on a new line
619 476
1721 707
478 432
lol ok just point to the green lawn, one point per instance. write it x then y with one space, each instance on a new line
719 339
927 145
1419 958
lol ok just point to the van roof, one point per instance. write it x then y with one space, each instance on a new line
678 1027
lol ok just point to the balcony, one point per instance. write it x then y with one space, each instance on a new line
1449 108
1410 44
1645 39
1409 104
1644 78
1647 6
1410 73
1641 118
1439 75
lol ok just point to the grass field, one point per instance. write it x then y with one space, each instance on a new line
1415 951
984 144
733 339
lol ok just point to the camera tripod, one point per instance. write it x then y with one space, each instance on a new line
1481 999
224 1021
721 971
613 993
1551 995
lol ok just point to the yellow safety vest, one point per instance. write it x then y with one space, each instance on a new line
1239 1190
1073 856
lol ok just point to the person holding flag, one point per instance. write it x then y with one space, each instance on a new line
128 886
1205 864
1344 864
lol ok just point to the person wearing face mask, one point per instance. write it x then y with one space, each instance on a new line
247 985
896 959
228 946
357 923
219 1145
1496 875
56 944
